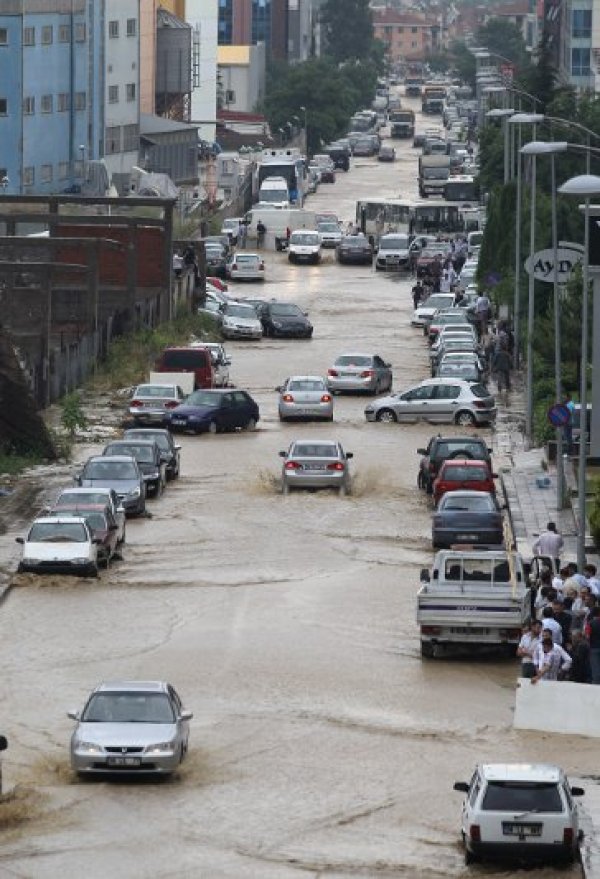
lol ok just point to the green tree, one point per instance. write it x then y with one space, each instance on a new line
506 39
463 62
347 27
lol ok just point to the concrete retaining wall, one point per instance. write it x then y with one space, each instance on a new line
558 707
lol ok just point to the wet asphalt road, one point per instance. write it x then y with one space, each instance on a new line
321 744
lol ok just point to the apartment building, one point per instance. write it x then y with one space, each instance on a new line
406 35
576 43
121 75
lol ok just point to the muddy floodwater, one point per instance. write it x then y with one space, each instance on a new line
321 745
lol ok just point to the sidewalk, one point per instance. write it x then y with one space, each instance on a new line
531 493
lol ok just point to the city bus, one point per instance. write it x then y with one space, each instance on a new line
435 216
374 216
462 188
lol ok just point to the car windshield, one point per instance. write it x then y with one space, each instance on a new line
57 532
522 796
456 473
398 243
110 470
124 707
282 310
315 450
246 311
161 439
140 453
354 360
328 227
203 398
304 238
307 385
482 504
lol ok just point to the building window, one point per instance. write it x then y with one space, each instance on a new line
28 176
64 102
414 30
46 173
28 106
131 138
581 27
3 36
29 36
113 29
3 107
63 170
64 33
113 140
47 35
80 100
131 91
113 94
46 103
131 27
80 32
414 44
580 62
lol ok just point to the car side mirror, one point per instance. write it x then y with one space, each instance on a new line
577 791
227 360
349 454
494 476
278 389
305 313
425 578
77 479
186 715
19 540
283 454
421 451
97 541
114 528
73 714
177 448
461 786
3 743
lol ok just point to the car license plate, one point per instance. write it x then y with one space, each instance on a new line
177 420
466 536
466 630
509 829
314 466
124 761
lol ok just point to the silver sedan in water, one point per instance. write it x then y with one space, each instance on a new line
305 396
316 464
360 372
130 726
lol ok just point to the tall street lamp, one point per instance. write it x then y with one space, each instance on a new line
544 148
584 186
303 110
503 114
520 119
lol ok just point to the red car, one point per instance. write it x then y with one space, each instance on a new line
102 525
457 473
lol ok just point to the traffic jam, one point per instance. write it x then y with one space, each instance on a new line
260 496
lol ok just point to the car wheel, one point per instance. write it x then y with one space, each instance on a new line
421 481
124 538
426 650
251 424
386 416
92 571
213 427
470 858
465 418
291 258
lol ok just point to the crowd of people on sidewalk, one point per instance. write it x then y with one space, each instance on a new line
562 641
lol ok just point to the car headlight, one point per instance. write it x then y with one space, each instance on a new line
134 493
278 324
369 409
90 747
161 748
82 561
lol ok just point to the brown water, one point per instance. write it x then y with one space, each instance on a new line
322 745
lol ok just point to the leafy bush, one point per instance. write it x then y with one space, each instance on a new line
72 416
594 517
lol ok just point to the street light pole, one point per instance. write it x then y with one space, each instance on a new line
531 308
584 186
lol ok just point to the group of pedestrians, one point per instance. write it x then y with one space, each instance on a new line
562 641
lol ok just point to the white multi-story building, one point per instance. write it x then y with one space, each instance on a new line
121 88
203 15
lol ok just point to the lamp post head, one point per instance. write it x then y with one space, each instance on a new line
544 147
527 118
582 186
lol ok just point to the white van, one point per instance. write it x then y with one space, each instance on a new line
274 191
305 246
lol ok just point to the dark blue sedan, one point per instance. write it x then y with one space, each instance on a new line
465 516
215 412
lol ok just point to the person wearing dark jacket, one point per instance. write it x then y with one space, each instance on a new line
501 367
581 670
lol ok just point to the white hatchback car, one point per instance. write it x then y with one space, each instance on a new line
60 545
520 812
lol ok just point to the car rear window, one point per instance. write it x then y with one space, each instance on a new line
456 473
479 390
353 360
140 453
475 449
110 470
306 385
482 504
155 391
522 796
203 398
246 258
315 450
190 359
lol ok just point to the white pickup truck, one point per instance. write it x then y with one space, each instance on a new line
472 599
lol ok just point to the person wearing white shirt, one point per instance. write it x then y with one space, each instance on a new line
549 623
549 543
527 646
593 582
550 660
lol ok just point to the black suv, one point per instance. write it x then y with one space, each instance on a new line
441 448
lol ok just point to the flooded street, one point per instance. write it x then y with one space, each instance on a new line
321 745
